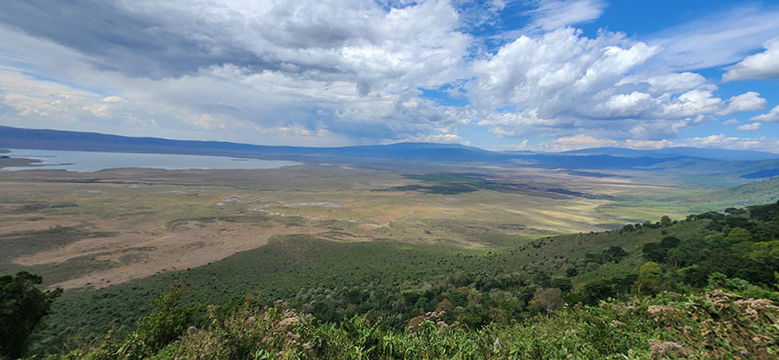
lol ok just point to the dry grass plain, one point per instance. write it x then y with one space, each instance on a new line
112 226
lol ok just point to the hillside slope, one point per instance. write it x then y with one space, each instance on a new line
389 285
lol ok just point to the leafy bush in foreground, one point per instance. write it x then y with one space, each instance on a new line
716 325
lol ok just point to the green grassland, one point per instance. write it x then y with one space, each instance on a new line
677 203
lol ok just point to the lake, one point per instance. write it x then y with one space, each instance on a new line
87 161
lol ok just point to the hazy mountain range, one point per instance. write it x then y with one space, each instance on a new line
752 164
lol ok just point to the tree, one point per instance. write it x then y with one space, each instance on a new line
665 220
658 252
767 231
649 278
615 253
22 305
654 252
564 285
765 252
669 242
595 258
547 299
764 212
166 322
766 256
738 235
595 291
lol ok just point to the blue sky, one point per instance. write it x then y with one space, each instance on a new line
529 74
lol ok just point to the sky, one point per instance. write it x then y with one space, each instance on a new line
548 75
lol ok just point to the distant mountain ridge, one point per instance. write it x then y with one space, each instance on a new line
714 154
11 137
597 158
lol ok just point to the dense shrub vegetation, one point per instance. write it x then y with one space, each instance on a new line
22 305
718 325
705 287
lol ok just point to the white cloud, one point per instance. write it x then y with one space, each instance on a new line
112 99
748 101
771 116
562 81
628 104
346 73
514 124
717 141
694 102
555 14
580 141
523 145
648 144
715 40
553 67
44 99
764 65
666 82
416 44
723 141
436 138
730 122
750 127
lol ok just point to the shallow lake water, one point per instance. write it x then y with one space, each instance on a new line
87 161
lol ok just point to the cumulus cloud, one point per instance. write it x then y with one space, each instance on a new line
533 68
46 100
764 65
562 80
771 116
748 101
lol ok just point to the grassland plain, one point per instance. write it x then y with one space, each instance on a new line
654 203
118 225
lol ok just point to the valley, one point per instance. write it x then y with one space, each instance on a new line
116 238
140 218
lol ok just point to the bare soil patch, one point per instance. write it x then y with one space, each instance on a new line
138 253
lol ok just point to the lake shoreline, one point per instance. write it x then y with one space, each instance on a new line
91 161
